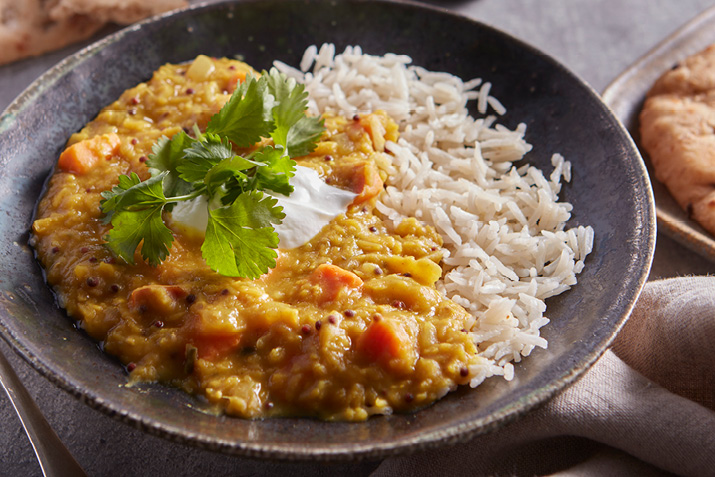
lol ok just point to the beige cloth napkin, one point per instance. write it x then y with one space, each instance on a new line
645 408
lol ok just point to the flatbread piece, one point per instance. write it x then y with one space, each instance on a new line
33 27
677 128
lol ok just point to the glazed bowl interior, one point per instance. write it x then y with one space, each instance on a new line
609 190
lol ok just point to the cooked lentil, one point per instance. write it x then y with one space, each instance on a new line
256 348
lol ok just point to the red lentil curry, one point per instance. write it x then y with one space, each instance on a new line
345 326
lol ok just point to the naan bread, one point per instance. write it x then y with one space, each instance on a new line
116 11
27 29
32 27
677 126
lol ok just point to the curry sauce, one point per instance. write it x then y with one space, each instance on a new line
345 326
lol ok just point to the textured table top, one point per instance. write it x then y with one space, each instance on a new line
596 39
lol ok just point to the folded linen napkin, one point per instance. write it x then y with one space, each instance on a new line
645 408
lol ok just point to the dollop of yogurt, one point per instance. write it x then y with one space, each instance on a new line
311 206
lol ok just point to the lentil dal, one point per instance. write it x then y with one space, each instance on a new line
348 325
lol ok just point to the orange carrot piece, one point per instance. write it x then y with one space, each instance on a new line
383 341
213 344
332 279
212 334
82 156
366 182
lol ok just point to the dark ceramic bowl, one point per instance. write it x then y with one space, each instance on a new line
610 190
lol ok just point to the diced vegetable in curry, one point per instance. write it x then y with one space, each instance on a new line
343 327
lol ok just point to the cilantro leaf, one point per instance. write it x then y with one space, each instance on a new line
276 171
166 155
133 194
291 101
240 239
229 174
202 155
304 135
246 117
134 209
131 227
296 132
111 198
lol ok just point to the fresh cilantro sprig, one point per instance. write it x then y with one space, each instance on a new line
240 236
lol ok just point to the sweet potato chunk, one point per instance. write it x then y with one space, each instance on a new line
215 333
333 279
363 178
367 183
81 157
211 345
387 343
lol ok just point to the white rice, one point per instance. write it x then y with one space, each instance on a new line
502 223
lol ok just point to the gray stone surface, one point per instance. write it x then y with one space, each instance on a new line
596 39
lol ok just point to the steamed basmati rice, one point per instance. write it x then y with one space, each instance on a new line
503 226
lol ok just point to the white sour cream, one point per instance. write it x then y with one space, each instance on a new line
311 206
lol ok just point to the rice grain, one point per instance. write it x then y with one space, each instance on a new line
504 228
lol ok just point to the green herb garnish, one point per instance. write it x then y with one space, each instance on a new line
240 237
